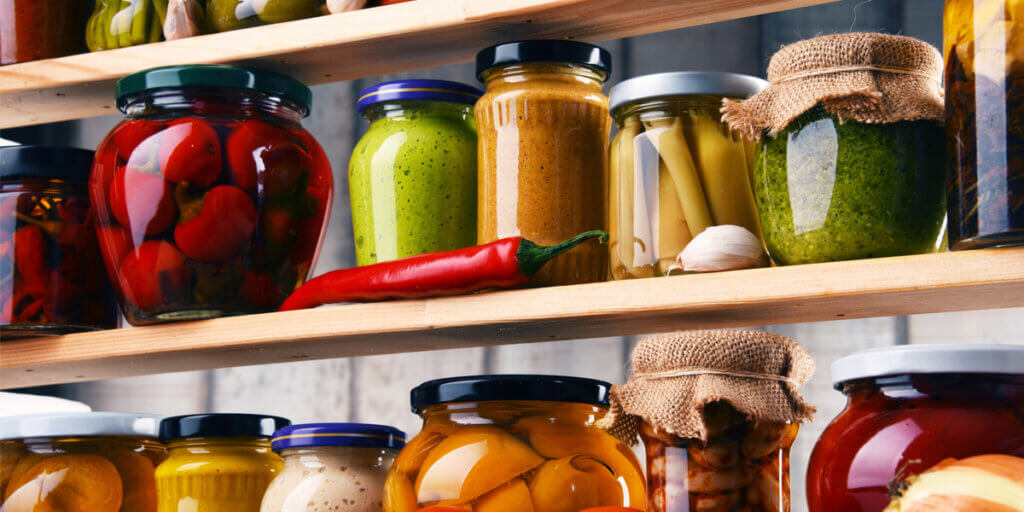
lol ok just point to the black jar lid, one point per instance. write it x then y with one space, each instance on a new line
487 388
221 425
544 50
212 76
48 162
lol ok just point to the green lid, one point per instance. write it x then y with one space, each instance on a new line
228 77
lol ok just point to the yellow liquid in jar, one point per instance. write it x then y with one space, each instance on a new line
216 475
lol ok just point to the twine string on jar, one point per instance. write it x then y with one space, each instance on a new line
849 69
692 371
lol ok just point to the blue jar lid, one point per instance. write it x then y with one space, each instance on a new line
429 90
362 435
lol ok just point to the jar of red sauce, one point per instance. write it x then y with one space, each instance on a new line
211 198
908 408
51 273
37 29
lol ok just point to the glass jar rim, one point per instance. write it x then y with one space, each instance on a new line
928 359
397 91
662 86
79 424
508 388
211 77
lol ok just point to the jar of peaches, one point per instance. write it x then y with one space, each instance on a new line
94 461
513 442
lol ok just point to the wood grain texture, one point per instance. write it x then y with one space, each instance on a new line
363 43
855 289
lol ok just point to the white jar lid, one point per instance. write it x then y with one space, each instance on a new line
925 359
77 424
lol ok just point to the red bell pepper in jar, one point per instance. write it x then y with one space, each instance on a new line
503 263
154 274
217 225
190 152
141 201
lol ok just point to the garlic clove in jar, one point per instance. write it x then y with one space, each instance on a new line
338 6
720 248
183 19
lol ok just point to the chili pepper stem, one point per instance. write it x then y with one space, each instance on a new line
532 257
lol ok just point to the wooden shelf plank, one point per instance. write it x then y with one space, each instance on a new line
856 289
369 42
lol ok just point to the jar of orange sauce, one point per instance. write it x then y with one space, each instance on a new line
217 462
94 461
543 129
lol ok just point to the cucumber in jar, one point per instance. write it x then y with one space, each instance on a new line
123 23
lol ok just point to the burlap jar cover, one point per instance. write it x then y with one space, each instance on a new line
871 78
676 375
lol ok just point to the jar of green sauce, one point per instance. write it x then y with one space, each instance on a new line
413 175
830 190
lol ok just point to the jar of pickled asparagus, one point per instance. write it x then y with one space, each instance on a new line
984 50
522 443
675 169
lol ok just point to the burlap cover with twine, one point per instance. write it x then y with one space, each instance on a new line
676 375
871 78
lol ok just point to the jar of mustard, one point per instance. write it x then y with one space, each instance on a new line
412 176
543 129
513 442
675 168
332 466
90 461
217 462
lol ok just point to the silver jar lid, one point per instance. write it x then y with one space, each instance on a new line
79 424
925 359
684 83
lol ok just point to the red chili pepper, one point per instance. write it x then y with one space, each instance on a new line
30 260
190 151
154 274
216 226
142 202
500 264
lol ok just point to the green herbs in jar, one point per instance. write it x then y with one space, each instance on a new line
830 190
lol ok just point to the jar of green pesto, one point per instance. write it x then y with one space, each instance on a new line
851 156
413 176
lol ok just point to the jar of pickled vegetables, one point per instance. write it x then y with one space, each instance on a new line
513 442
33 29
91 461
984 50
124 23
210 196
217 462
908 408
675 169
412 176
332 466
225 15
543 128
52 279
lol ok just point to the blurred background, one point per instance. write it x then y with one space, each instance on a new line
376 389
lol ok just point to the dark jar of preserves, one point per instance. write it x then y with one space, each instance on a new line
211 197
909 408
35 29
51 272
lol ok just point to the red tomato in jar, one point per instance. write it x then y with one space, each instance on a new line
142 202
130 134
190 151
155 273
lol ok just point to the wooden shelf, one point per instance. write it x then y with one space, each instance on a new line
808 293
369 42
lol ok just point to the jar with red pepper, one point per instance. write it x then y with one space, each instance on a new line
908 408
211 197
51 273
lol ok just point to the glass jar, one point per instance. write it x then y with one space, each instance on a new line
211 197
51 273
675 169
92 461
544 127
332 466
829 190
124 23
908 408
217 462
984 50
504 442
412 176
742 466
225 15
33 30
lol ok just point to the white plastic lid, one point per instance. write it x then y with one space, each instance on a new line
76 424
924 359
